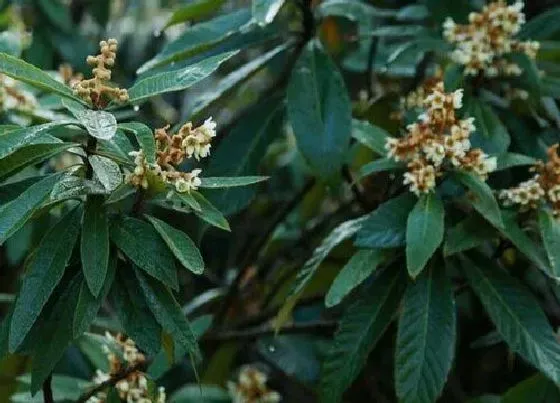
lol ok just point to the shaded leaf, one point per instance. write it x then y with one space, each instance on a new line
319 111
180 244
226 182
550 232
380 165
490 134
193 10
467 234
426 337
144 137
369 135
360 328
209 213
140 242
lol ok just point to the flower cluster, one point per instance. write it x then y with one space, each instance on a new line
415 99
96 90
437 141
123 355
482 43
12 96
543 187
251 387
69 76
172 150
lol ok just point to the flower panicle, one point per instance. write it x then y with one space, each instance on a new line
543 189
438 141
97 91
171 151
251 387
482 44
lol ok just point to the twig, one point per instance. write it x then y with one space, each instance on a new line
47 390
112 381
315 327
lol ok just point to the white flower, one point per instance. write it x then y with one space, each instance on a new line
458 98
189 181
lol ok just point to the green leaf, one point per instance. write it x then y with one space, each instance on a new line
145 138
319 111
14 139
416 48
168 314
106 171
88 305
543 26
530 76
232 81
44 273
508 160
342 232
467 234
490 134
516 314
194 10
264 11
133 312
426 337
386 226
209 213
424 232
180 244
453 77
29 155
521 240
458 9
481 197
227 182
369 135
94 245
360 328
198 38
16 213
550 232
537 388
176 80
140 242
241 152
380 165
200 394
55 333
22 71
359 268
188 199
65 388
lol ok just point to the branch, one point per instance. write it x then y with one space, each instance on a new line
47 390
112 381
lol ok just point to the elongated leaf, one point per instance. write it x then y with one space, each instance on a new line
106 171
359 330
241 153
380 165
200 394
11 190
490 135
99 124
55 333
358 269
145 139
227 84
319 111
209 213
467 234
22 71
16 213
88 305
424 232
44 273
134 313
524 243
14 139
194 10
342 232
176 80
227 182
264 11
168 314
94 245
543 26
534 389
508 160
386 226
516 314
180 244
143 246
550 232
426 337
29 155
482 198
369 135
